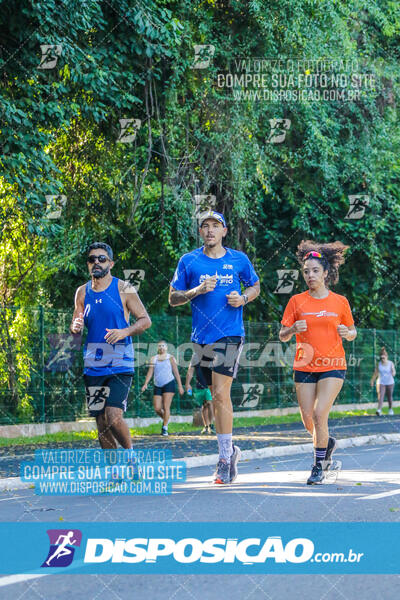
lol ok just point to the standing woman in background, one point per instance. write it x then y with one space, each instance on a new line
386 372
320 319
165 371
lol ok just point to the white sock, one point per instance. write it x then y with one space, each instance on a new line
225 446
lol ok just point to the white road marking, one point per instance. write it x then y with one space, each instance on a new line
381 495
11 579
12 498
362 449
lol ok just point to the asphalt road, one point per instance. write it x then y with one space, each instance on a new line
193 444
366 489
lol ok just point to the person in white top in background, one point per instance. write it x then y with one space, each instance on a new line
386 372
165 371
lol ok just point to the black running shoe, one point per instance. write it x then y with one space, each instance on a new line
317 475
332 445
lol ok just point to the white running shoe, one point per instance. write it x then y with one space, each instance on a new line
233 471
390 411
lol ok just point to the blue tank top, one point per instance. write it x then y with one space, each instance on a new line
104 310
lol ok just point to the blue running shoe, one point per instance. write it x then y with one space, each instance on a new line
222 472
317 475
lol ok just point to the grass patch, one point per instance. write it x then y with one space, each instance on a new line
82 436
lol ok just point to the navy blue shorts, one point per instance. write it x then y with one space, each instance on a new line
168 387
313 377
107 390
221 356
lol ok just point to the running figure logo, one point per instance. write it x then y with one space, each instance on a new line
134 277
203 55
287 279
358 204
50 55
279 128
62 547
55 205
204 203
129 129
252 393
96 396
63 351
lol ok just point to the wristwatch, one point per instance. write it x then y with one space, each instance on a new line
246 298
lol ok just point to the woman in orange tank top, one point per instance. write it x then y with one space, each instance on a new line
320 320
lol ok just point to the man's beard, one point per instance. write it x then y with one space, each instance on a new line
100 273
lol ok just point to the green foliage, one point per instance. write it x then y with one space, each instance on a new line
25 412
134 59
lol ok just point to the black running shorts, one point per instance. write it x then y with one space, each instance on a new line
168 387
107 390
221 356
315 376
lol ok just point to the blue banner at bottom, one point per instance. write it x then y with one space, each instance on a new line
195 548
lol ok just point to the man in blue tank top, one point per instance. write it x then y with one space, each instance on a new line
103 305
211 278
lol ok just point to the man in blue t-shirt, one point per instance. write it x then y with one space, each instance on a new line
210 278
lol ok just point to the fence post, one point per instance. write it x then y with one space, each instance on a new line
42 379
280 374
136 394
354 371
249 373
178 408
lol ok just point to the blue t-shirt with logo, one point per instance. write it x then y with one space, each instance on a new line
212 317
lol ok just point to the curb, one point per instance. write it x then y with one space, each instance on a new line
15 483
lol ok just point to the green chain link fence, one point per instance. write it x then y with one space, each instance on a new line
41 366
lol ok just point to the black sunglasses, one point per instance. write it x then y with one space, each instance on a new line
101 258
